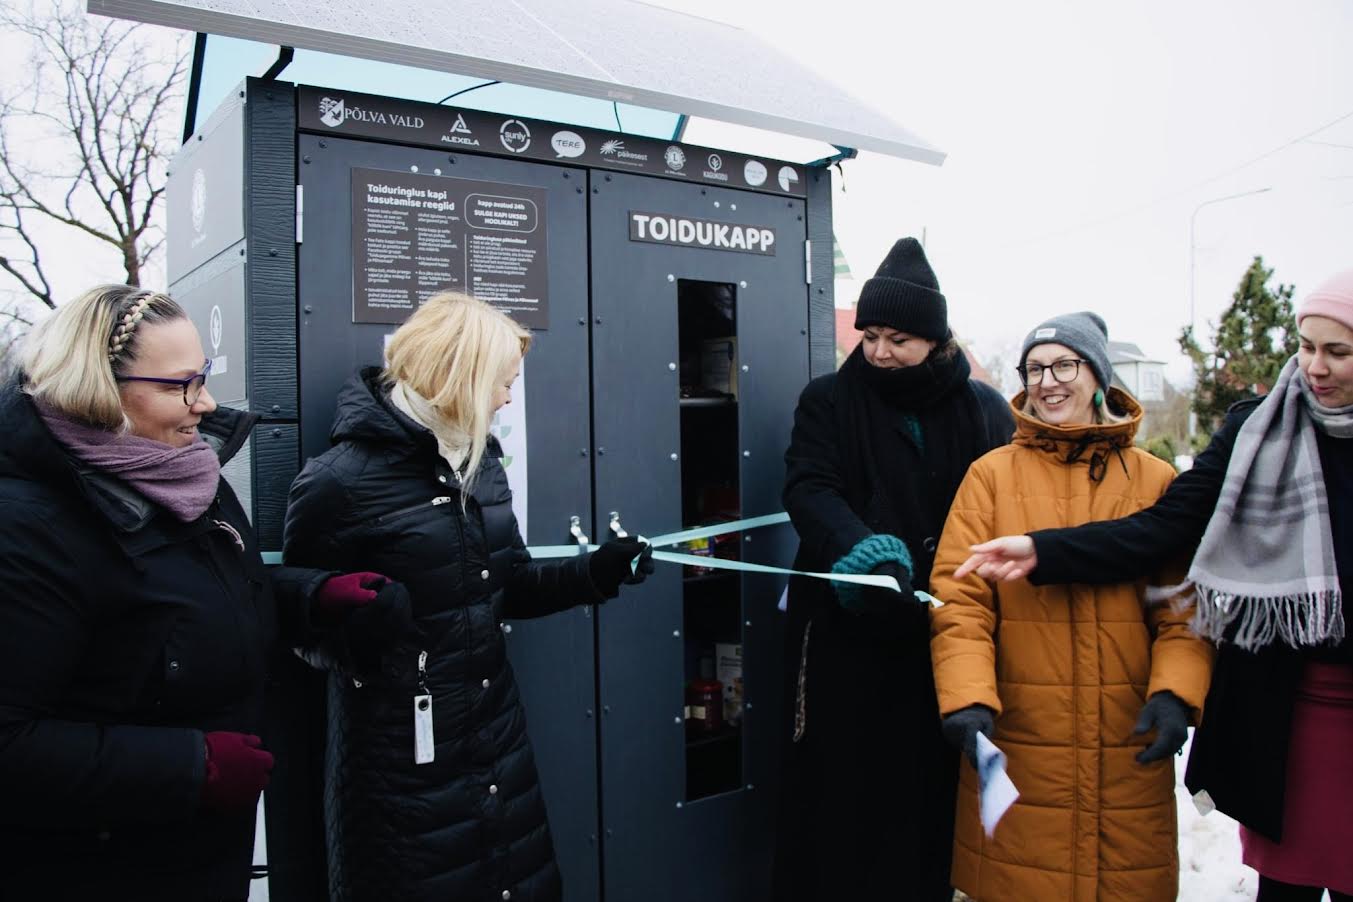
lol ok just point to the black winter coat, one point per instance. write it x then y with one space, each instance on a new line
470 826
125 635
868 802
1239 752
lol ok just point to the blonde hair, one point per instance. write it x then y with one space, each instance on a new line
452 352
71 359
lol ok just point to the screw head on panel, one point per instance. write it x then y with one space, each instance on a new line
437 171
746 368
309 309
716 204
413 168
732 206
746 454
742 284
672 367
323 143
671 277
303 159
673 455
676 720
676 634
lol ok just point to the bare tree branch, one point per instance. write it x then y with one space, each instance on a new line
83 142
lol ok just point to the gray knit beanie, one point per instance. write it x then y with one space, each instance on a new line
1085 333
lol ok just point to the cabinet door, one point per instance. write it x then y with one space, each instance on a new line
553 657
700 292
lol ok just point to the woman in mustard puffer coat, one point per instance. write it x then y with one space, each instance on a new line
1069 681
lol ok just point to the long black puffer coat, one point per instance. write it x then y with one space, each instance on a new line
470 825
868 799
125 634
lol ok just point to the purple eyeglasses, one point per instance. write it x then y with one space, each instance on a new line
192 386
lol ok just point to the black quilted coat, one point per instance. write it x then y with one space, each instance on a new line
469 826
126 634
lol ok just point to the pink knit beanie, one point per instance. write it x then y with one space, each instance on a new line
1333 298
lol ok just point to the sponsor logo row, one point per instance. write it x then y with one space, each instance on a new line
515 137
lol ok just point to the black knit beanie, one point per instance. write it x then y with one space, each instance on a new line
1085 333
904 295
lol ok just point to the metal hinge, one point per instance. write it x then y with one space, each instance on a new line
300 213
808 262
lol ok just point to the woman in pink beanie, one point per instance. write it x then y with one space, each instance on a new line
1269 507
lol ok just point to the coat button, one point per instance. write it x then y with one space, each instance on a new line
485 684
173 665
930 544
483 574
493 789
505 627
507 894
442 480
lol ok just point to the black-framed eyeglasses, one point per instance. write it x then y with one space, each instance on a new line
192 386
1062 371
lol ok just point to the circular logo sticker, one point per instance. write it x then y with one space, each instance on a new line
515 136
675 158
215 328
715 162
788 178
755 173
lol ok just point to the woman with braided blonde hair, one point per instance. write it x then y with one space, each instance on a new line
136 614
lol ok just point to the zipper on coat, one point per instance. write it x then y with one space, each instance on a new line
435 502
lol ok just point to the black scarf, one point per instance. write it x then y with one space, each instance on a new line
901 477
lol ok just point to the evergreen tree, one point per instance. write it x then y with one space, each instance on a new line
1256 336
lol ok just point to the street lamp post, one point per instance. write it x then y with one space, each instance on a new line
1193 247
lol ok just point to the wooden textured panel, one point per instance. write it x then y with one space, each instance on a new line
270 230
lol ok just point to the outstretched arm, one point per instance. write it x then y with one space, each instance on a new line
1112 551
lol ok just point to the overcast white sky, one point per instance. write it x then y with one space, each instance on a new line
1081 137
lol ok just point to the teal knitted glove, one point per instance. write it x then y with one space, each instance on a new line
864 557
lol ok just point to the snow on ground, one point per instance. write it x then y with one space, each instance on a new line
1209 851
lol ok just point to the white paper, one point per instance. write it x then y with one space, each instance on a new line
998 792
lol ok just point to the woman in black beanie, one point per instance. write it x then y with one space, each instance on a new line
878 451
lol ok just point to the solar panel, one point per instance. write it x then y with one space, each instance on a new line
618 50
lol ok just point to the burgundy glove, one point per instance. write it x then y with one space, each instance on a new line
237 771
340 594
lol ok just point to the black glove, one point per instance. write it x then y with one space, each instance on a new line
609 565
876 599
1167 714
961 728
380 628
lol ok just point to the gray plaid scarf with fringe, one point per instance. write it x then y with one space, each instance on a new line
1265 569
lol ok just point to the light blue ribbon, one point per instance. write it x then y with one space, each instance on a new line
548 552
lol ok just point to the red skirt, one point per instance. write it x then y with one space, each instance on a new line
1317 846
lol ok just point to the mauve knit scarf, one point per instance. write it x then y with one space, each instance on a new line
181 480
